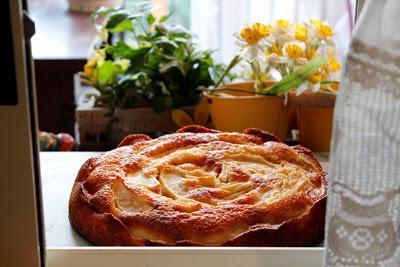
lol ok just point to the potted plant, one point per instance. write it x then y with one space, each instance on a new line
282 57
154 68
315 101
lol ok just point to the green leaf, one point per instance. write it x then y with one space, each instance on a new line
164 40
232 64
122 50
182 40
165 18
116 19
119 50
329 82
106 73
125 25
180 53
150 19
101 12
296 78
126 78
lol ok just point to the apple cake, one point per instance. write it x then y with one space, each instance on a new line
201 187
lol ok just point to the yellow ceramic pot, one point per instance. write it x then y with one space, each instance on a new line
315 117
315 127
236 111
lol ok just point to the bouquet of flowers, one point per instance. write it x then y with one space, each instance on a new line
297 56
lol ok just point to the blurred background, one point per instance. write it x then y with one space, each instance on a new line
64 38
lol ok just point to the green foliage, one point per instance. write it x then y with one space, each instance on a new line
156 64
296 78
102 11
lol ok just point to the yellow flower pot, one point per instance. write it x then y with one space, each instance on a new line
315 127
315 117
236 111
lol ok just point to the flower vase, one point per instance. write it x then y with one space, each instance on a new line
236 111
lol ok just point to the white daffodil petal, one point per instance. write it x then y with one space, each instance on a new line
315 87
250 53
274 59
301 60
275 75
286 38
302 88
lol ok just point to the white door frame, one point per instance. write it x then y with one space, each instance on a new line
20 241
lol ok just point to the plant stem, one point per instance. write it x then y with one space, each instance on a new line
255 65
230 89
232 64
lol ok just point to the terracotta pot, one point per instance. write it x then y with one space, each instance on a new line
236 111
315 117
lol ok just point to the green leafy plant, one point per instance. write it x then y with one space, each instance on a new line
153 64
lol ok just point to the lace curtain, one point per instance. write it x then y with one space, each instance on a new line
364 177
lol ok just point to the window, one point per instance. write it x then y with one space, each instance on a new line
215 21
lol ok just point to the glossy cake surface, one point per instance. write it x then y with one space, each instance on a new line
201 187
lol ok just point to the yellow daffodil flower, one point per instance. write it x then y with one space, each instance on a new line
325 30
261 29
325 67
294 51
316 22
315 78
310 52
334 65
89 69
282 23
250 36
300 32
255 33
274 49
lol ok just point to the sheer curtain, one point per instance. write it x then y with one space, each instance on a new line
215 21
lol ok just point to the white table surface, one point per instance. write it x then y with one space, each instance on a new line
58 172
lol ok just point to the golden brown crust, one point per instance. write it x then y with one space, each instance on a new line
201 187
133 139
196 129
265 136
